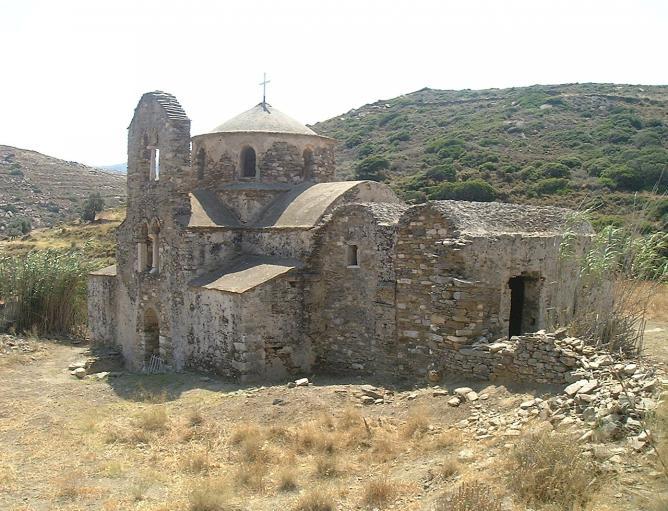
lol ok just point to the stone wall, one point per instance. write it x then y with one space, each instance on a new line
350 308
452 288
102 307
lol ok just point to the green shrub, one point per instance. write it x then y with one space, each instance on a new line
18 226
596 166
387 118
372 168
401 136
45 290
365 150
554 169
353 140
472 190
92 206
441 173
622 177
451 148
572 162
550 186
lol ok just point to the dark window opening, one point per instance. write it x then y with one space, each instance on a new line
308 164
199 163
248 165
351 255
516 285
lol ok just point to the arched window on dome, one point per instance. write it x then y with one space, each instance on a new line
200 162
307 173
248 163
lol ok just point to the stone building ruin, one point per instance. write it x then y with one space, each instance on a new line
242 255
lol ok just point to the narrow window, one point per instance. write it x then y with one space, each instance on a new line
351 255
153 249
200 162
248 167
155 163
308 164
149 254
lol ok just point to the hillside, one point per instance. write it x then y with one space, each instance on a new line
48 191
601 145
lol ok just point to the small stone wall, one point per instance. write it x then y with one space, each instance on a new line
536 357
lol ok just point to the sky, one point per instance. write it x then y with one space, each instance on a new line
71 72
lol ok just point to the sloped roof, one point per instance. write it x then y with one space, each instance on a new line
169 103
246 274
497 217
109 271
263 118
206 210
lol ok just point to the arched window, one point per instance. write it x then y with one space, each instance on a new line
248 166
308 164
200 162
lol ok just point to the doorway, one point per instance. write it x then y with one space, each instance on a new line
151 335
516 285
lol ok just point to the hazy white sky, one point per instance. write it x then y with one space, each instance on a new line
71 72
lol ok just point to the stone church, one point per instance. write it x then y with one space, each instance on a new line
242 255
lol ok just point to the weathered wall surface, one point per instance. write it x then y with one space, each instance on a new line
350 308
453 290
279 158
102 307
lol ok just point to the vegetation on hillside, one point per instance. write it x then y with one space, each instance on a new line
43 274
41 191
597 144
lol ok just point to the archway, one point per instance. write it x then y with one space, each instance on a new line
151 335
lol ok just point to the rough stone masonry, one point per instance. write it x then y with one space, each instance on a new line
241 255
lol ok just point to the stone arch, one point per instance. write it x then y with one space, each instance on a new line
307 172
151 334
248 162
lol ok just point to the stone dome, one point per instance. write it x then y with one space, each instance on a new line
263 118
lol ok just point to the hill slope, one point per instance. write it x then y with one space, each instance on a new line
47 190
558 144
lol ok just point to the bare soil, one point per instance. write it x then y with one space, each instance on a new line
151 442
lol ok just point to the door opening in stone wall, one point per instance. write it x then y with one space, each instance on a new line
151 335
524 304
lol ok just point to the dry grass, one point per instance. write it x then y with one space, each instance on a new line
316 499
379 492
470 496
68 486
211 495
416 424
326 466
153 418
251 475
287 479
196 461
449 468
550 469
